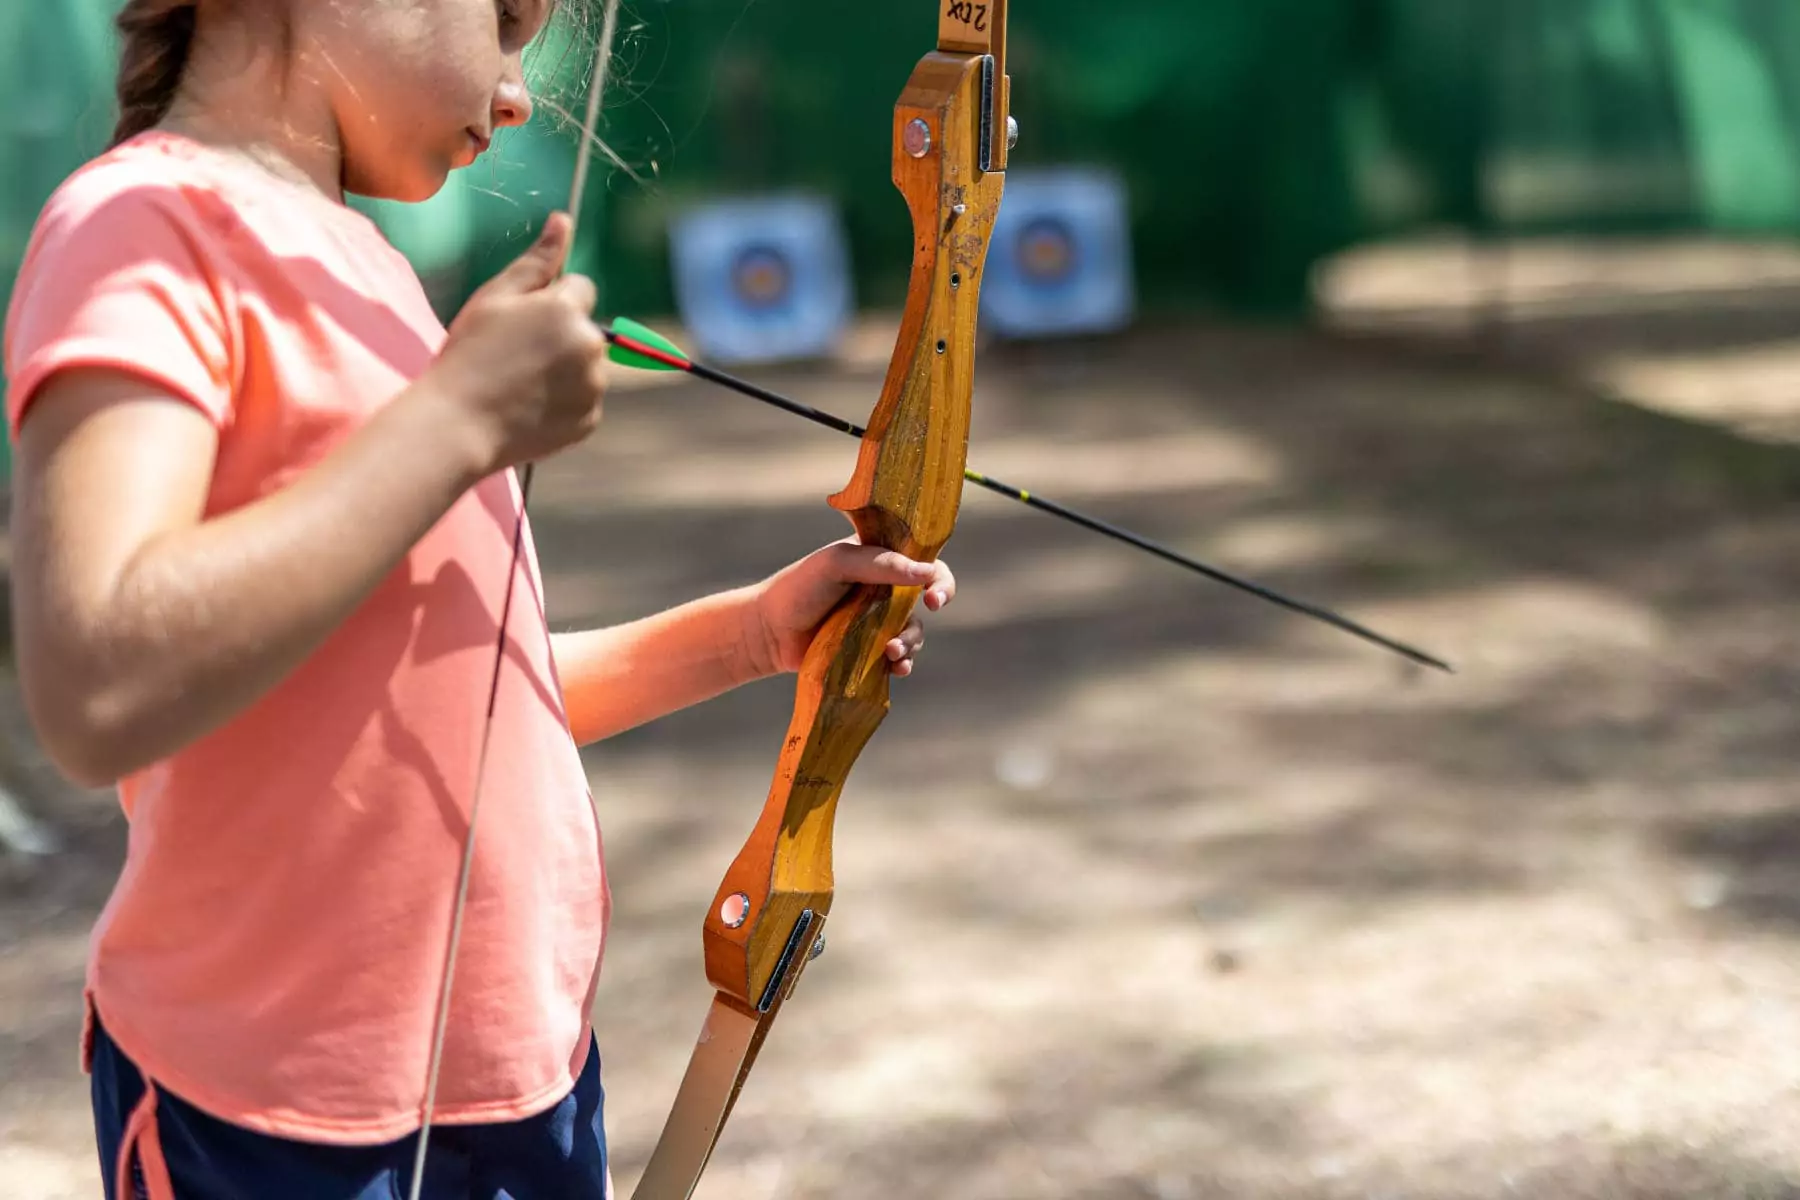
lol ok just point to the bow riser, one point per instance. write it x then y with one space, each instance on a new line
766 918
907 487
904 495
784 871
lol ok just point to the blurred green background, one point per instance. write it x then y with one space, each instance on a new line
1256 136
1224 907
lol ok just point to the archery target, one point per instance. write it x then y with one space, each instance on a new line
1059 263
762 279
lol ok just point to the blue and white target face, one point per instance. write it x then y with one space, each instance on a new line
763 278
1060 260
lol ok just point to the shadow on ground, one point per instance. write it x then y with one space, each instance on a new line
1149 890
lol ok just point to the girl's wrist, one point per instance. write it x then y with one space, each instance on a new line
447 429
752 649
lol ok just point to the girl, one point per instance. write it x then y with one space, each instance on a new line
263 531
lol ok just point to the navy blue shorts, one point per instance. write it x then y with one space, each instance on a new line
557 1155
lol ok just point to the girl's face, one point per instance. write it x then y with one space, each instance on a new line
418 87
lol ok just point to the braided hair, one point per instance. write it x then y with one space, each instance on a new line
157 37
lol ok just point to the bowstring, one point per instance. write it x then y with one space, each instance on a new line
441 1024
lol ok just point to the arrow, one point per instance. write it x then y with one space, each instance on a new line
635 345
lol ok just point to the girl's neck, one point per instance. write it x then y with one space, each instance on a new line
240 96
303 162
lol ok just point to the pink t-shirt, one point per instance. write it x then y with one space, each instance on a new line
274 947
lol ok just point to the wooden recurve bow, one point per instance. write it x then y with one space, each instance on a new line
952 134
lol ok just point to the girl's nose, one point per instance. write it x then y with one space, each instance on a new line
512 103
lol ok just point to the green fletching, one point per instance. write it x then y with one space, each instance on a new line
626 327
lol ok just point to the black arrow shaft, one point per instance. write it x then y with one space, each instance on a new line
1042 504
1225 577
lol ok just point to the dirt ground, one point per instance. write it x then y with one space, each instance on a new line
1147 891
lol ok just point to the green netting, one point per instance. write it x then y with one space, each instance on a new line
1256 136
55 74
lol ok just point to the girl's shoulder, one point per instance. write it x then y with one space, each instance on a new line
210 196
116 200
127 263
172 258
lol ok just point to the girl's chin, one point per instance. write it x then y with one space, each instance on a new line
413 190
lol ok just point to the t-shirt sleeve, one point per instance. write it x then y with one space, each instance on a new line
126 275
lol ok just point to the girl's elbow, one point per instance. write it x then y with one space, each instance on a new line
84 760
85 766
89 734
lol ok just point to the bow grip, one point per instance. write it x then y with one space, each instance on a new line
904 495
